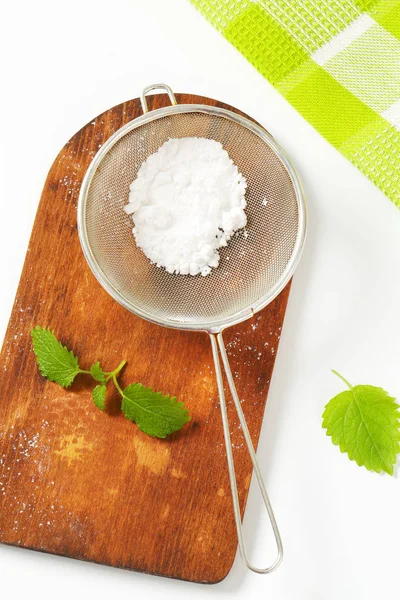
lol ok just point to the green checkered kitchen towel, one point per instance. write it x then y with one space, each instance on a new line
337 62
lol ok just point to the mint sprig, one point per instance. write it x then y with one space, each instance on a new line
153 413
55 361
97 373
156 414
99 396
364 422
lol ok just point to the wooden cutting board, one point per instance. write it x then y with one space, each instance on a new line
80 483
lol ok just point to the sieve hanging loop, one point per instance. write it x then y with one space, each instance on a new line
156 86
217 341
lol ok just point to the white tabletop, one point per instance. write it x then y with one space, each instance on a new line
63 64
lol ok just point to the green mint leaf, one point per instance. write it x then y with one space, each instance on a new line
364 422
99 396
55 361
97 372
154 414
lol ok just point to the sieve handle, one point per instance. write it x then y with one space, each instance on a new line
215 342
156 86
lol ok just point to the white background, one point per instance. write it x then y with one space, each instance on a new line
63 64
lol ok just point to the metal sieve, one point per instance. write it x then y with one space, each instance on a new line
252 271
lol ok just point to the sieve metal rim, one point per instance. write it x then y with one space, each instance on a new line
242 315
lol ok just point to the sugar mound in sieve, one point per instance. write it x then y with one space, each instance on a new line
186 202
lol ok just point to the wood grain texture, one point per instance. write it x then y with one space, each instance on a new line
77 482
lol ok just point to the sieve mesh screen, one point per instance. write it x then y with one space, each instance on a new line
249 266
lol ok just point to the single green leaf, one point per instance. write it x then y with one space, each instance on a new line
99 396
97 372
55 361
364 422
154 414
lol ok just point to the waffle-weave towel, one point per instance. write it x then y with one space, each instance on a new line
337 62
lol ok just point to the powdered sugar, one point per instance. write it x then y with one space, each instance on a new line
187 201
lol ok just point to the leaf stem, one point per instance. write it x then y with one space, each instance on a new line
343 379
111 374
117 385
84 371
